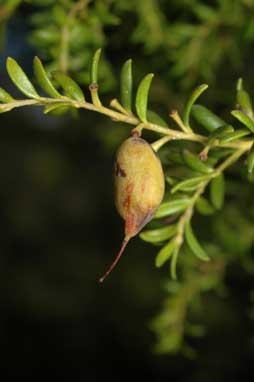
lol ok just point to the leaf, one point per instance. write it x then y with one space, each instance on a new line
244 101
239 84
159 234
243 98
43 79
165 253
153 117
172 207
217 191
251 160
142 96
20 79
5 97
194 244
244 119
126 85
220 133
195 163
206 118
57 108
71 88
194 96
234 136
94 67
191 183
204 207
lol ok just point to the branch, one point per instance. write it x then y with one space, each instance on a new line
221 135
120 117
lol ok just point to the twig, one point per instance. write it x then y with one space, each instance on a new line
241 145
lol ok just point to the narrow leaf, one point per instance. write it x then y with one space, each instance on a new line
220 132
251 159
43 79
194 96
165 253
243 98
239 84
70 87
195 163
189 184
244 101
172 207
5 97
159 234
142 97
57 108
235 135
206 118
217 191
94 67
244 119
126 85
20 79
194 244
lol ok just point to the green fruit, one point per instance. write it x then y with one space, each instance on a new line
139 187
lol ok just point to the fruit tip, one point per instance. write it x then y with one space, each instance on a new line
115 261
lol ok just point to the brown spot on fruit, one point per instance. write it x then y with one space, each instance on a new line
119 171
130 223
127 200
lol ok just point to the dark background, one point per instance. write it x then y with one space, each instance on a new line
59 231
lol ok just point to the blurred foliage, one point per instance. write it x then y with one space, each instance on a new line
229 242
186 41
7 8
66 34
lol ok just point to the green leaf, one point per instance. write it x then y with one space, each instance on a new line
244 119
214 137
239 84
195 163
189 184
235 135
217 191
172 207
57 108
43 79
153 117
251 160
142 97
194 244
204 207
5 97
126 85
165 253
220 133
206 118
244 101
159 234
194 96
20 79
94 67
70 87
